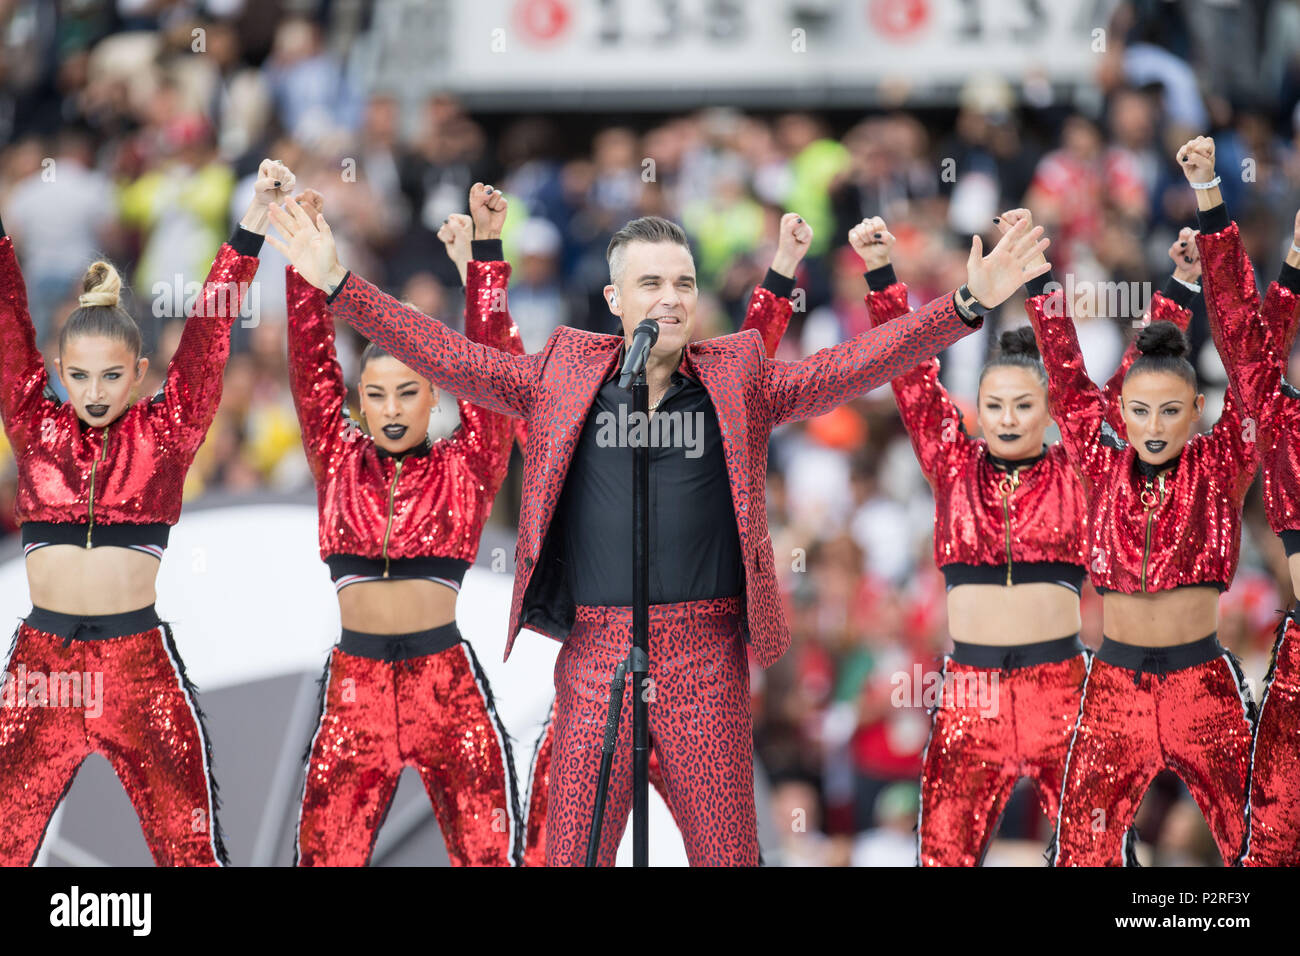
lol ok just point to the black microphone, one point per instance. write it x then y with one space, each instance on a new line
643 340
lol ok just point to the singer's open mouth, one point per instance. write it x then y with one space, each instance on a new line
394 431
1009 436
96 411
1156 447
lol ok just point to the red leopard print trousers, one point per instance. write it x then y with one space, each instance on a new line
700 728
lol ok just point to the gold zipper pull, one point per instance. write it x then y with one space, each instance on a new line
1148 497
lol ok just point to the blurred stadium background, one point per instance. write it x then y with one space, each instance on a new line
133 128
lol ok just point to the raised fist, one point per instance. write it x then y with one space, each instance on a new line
275 182
873 241
487 207
1196 157
794 236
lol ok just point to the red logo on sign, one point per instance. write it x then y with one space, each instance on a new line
898 18
542 20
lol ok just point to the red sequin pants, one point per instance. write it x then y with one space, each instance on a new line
1273 817
400 708
539 789
124 696
1186 709
700 726
992 726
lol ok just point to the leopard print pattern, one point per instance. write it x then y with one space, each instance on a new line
700 728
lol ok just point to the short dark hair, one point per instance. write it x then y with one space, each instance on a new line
645 229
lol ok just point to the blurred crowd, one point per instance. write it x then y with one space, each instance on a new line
133 130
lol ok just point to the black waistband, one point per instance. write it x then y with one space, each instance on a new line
1013 656
1217 585
1022 572
113 535
399 647
1160 660
1291 541
341 565
92 627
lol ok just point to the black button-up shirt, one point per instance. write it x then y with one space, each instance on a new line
694 544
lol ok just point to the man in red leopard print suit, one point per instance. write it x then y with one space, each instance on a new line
712 583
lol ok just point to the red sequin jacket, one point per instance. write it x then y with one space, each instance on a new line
433 502
1149 529
132 470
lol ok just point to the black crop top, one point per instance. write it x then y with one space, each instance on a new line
1022 572
149 538
348 569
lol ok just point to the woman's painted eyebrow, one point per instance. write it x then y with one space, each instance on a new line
111 368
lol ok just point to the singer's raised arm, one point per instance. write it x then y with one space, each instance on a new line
471 371
474 372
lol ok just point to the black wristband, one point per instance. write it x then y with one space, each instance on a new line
246 243
1214 219
777 284
486 250
1038 284
975 317
882 278
1179 293
1290 278
339 288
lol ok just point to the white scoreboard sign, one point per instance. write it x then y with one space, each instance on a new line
550 47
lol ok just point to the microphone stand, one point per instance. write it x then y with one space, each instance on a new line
640 657
638 662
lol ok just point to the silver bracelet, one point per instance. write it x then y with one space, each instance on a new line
1210 185
1295 248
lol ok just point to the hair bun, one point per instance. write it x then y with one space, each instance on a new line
1019 341
101 285
1160 339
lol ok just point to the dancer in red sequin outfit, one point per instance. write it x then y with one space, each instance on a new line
1010 532
400 522
1255 341
92 668
769 314
1164 531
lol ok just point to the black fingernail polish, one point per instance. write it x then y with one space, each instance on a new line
875 235
1187 259
996 219
1183 243
798 220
